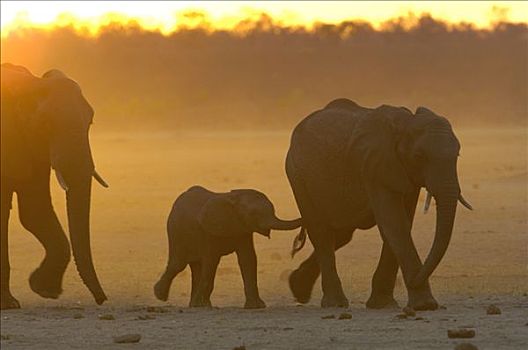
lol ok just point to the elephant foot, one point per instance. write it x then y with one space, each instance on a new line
424 304
380 301
45 284
200 302
341 301
8 301
161 291
421 299
300 286
255 304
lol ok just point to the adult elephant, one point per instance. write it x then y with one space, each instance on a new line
352 167
44 124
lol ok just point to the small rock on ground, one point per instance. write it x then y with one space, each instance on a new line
146 317
127 338
461 333
328 317
466 346
157 309
345 316
241 347
493 310
107 317
134 309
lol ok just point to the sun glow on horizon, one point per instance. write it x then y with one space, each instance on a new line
167 17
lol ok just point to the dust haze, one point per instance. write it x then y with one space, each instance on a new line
216 108
263 75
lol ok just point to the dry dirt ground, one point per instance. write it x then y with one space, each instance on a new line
486 262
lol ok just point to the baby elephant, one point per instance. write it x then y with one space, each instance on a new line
203 226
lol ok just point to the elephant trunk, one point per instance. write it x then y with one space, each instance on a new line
446 203
78 208
284 225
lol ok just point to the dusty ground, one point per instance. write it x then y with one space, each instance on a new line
486 263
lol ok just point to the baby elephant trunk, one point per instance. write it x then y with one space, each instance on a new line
284 225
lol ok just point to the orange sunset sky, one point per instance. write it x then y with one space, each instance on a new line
168 16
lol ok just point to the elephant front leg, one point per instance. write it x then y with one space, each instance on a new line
196 273
38 217
7 299
421 297
395 227
384 280
202 297
247 261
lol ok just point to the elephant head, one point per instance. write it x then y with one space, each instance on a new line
431 152
53 118
241 212
409 152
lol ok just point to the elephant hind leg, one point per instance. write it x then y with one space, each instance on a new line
202 297
38 217
162 287
333 295
303 279
383 281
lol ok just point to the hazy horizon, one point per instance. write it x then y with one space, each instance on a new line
274 75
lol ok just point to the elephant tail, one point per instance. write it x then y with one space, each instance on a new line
299 241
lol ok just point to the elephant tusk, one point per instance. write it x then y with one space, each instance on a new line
61 181
99 179
427 202
464 202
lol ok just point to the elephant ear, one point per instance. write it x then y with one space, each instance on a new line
374 145
219 217
15 156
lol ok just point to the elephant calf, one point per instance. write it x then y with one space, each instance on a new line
203 226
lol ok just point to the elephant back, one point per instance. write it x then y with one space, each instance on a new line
319 163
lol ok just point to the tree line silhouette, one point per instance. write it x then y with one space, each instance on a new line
266 75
